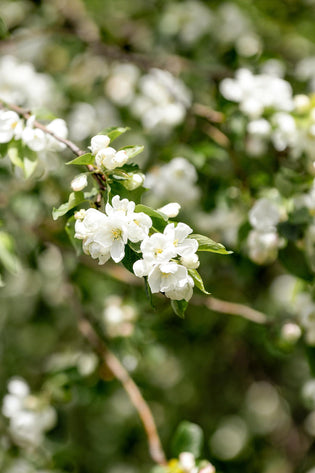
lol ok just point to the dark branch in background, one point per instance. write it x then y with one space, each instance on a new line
117 369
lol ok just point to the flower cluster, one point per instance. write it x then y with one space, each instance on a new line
30 417
257 93
107 157
164 273
263 241
186 463
22 85
12 127
167 256
162 102
105 235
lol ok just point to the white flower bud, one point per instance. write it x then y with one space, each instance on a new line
190 261
290 333
99 142
79 182
187 461
136 180
171 210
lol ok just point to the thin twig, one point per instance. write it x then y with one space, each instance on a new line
115 366
232 308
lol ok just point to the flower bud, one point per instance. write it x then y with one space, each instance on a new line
190 262
171 210
136 180
290 333
79 182
99 142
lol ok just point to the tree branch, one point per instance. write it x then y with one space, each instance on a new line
115 366
232 308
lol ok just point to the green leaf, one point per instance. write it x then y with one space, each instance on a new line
179 307
75 198
2 283
7 254
4 150
83 160
188 438
3 28
159 220
206 244
295 262
132 151
198 280
130 258
76 243
114 132
23 157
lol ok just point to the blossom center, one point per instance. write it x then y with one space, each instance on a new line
116 232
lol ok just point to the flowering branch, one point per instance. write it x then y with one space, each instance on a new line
113 363
26 114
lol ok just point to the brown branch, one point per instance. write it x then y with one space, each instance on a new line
206 112
232 308
115 366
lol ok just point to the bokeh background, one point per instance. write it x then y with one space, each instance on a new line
156 66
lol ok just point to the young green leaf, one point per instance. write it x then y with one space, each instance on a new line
206 244
23 157
75 198
179 307
198 280
83 160
114 132
7 254
188 438
132 151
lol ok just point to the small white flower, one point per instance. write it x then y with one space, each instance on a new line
99 142
139 226
34 138
11 126
122 206
79 182
157 249
178 237
172 279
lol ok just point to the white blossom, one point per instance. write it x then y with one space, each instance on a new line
11 126
256 93
172 279
264 215
28 417
105 235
